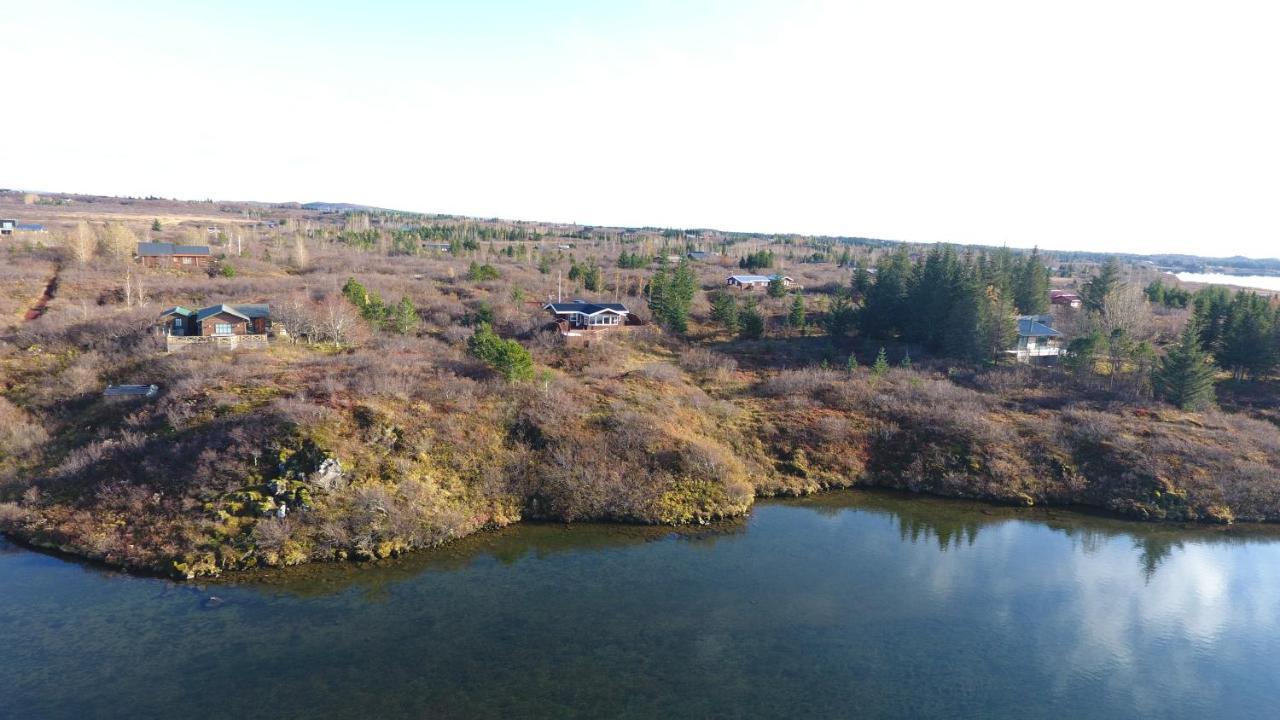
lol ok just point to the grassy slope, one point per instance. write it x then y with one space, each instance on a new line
643 429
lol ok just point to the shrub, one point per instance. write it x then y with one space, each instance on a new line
506 357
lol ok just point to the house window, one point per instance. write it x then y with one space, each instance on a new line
186 261
222 329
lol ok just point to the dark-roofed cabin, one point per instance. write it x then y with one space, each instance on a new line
580 316
156 255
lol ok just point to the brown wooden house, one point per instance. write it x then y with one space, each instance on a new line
187 257
231 325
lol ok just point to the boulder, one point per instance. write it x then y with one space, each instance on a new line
328 476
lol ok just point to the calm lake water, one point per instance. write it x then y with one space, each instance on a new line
1262 282
844 605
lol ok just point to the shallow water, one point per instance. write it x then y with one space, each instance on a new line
843 605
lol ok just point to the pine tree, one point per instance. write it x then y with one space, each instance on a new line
851 364
796 319
671 295
1096 292
906 361
841 316
591 279
507 357
724 310
1247 338
752 323
885 304
881 365
1184 376
861 281
1031 287
777 286
404 318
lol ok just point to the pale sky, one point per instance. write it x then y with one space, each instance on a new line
1109 125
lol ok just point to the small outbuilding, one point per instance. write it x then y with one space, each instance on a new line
125 391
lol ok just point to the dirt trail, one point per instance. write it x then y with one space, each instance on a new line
50 289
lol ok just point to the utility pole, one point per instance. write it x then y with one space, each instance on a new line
559 291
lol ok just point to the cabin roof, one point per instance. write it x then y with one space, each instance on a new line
154 249
756 278
219 310
256 310
1035 326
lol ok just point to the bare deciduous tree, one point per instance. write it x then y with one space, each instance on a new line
337 322
118 241
81 243
301 256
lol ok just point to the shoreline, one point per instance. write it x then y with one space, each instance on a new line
988 506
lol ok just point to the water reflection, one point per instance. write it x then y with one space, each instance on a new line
870 604
507 546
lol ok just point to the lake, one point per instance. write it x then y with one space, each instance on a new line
847 604
1261 282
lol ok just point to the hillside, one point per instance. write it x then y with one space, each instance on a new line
383 431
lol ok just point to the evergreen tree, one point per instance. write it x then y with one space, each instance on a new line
1247 339
842 317
757 260
885 305
592 279
480 273
404 318
1095 293
997 323
752 323
851 364
671 296
155 225
881 365
861 281
1211 313
1184 376
961 336
931 293
796 318
777 286
544 264
355 292
506 357
1031 288
724 310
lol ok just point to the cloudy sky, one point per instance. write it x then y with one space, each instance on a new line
1113 125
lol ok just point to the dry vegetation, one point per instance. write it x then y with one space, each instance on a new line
642 427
